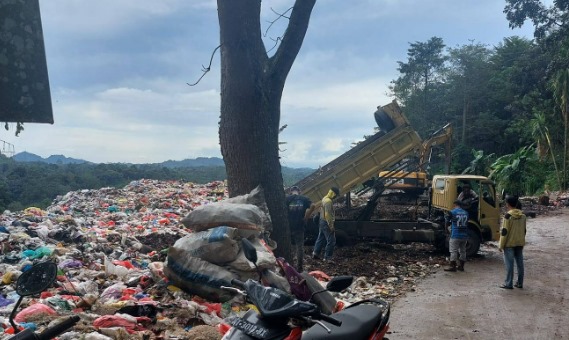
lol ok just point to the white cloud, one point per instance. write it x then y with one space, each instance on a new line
118 72
101 17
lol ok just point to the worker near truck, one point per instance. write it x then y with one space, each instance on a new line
458 218
467 196
512 242
326 231
299 210
469 200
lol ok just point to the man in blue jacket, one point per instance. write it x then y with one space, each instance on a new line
299 209
458 218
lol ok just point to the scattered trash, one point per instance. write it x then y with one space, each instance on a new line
126 258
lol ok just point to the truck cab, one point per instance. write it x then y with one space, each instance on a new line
484 215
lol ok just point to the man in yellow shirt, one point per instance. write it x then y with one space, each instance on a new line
512 241
326 231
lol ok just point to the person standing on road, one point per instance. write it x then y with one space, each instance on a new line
512 242
299 209
458 218
326 231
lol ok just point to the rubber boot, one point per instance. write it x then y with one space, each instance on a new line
461 266
452 267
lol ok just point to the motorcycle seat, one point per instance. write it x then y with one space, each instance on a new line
357 323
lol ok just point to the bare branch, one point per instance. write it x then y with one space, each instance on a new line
282 60
275 45
280 15
206 69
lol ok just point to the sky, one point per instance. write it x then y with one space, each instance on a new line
119 71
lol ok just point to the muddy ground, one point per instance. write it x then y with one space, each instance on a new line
471 305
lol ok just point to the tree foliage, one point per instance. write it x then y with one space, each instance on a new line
510 170
490 95
420 76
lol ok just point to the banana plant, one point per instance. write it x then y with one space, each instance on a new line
508 170
480 164
540 132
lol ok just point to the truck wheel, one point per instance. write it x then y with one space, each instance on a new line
441 245
383 121
342 239
473 243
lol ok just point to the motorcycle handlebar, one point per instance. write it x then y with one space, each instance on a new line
61 327
330 320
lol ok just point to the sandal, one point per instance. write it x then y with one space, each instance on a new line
506 287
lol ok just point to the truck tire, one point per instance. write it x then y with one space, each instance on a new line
473 243
383 121
342 239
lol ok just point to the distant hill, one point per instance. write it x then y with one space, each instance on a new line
291 175
53 159
61 159
28 180
193 163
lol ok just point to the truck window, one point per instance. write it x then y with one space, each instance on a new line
440 184
488 194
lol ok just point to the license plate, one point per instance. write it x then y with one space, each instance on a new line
249 328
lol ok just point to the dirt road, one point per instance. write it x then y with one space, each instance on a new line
471 305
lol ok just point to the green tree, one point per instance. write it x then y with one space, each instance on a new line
420 77
548 21
480 165
469 73
516 89
540 131
561 94
252 84
508 170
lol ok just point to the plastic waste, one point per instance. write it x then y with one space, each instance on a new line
129 322
70 263
38 253
34 310
5 302
113 292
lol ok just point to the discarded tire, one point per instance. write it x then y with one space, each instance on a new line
383 121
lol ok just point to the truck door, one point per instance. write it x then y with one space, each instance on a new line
489 212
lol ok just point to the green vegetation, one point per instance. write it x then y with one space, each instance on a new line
37 184
507 103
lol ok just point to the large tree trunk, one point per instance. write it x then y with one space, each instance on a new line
251 91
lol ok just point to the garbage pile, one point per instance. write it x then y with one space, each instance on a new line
110 246
139 262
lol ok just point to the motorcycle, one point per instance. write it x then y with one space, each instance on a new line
282 316
34 281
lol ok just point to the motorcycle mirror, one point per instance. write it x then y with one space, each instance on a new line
36 279
339 283
249 250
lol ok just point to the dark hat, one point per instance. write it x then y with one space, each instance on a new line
335 190
294 188
512 200
458 202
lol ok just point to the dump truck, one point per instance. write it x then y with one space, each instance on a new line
410 184
355 172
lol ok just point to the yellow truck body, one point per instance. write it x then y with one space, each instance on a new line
366 159
396 141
